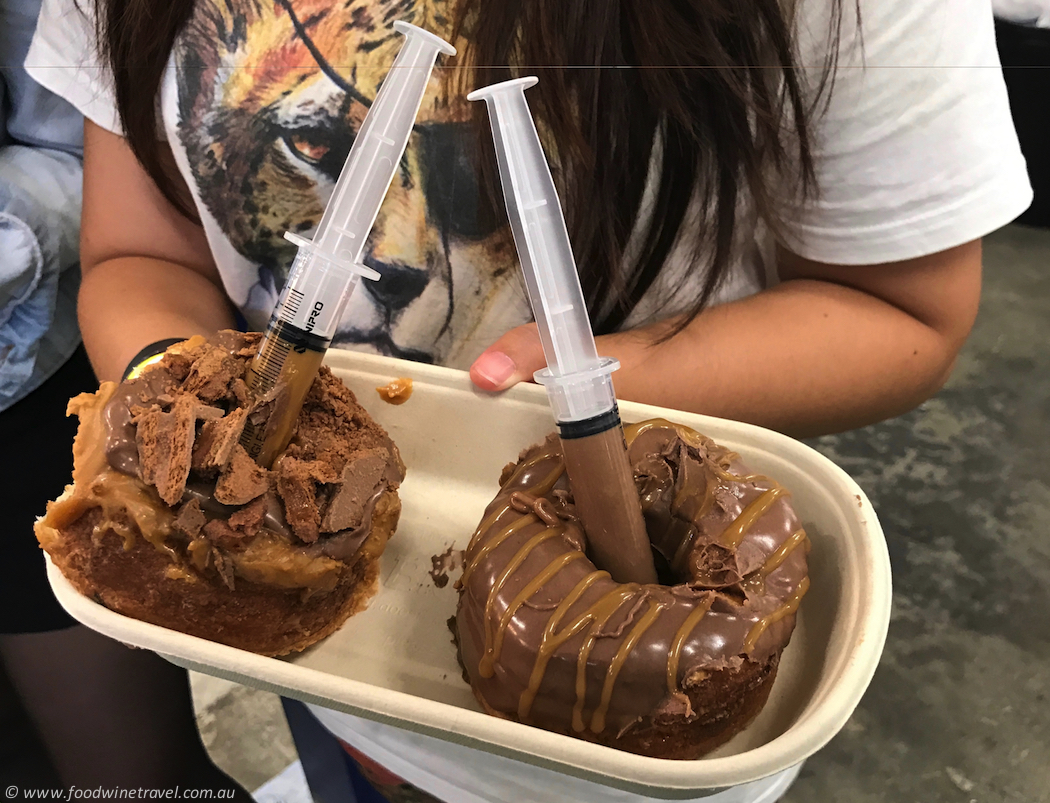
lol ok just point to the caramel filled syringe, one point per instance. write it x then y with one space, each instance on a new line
327 269
578 381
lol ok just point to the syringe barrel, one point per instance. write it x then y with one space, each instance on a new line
316 291
378 147
578 383
581 395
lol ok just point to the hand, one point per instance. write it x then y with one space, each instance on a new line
513 358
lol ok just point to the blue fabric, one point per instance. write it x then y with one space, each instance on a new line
363 791
40 180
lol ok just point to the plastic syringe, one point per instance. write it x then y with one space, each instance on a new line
578 381
328 268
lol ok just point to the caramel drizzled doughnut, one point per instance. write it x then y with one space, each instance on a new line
671 670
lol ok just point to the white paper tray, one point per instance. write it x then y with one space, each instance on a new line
396 663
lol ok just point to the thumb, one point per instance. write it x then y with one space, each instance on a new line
513 358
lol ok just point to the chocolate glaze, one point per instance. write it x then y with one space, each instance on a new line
204 493
532 603
344 544
121 449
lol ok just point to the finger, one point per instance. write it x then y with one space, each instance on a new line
513 358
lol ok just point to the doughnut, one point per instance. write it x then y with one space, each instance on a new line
669 670
168 520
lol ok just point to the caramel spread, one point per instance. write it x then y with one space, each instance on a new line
546 636
396 392
128 505
268 560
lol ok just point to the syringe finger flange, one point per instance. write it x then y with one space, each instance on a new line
348 265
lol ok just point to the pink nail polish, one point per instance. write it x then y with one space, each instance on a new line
495 367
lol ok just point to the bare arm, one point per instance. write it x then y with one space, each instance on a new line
831 348
147 271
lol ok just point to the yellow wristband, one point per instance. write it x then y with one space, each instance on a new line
153 353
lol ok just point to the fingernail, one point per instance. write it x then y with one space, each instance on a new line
494 367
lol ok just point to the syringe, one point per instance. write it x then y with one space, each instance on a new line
328 268
578 382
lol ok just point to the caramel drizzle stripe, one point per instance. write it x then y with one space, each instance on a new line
495 541
643 624
485 666
774 561
598 615
788 608
537 490
736 531
690 623
549 642
632 431
492 654
722 474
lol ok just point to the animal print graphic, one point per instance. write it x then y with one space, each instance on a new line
270 95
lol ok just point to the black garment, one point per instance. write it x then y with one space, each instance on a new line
1025 54
36 456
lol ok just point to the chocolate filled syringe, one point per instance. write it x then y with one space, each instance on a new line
328 268
578 381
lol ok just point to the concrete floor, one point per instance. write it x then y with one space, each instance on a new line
958 710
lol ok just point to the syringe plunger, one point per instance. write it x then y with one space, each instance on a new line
578 381
328 267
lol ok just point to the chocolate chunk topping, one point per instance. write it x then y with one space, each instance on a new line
190 519
242 480
297 486
165 442
210 376
250 519
170 428
225 568
216 441
361 477
219 533
239 391
237 344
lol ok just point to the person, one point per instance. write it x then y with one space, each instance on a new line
1023 12
106 714
776 209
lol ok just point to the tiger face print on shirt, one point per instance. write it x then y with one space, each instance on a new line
270 94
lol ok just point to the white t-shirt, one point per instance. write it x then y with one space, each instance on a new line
916 153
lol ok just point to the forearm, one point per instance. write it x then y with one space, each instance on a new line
806 357
126 303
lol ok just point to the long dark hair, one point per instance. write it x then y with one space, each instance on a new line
708 92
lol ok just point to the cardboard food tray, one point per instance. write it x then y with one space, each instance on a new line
395 662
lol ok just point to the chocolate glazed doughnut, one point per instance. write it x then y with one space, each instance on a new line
669 671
